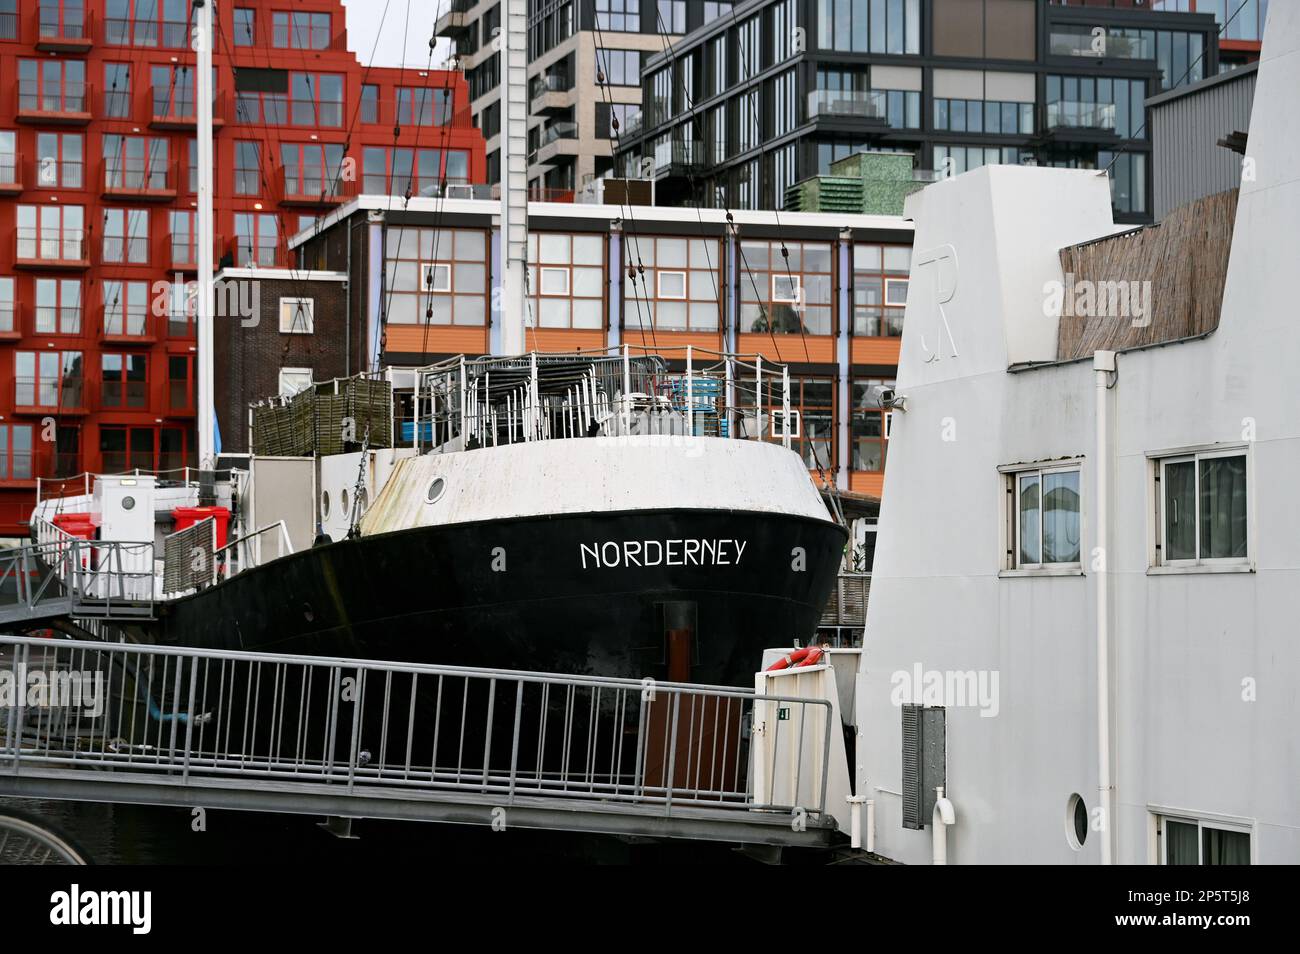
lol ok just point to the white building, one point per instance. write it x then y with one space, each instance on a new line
1172 544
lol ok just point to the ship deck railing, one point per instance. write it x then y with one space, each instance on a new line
63 576
355 738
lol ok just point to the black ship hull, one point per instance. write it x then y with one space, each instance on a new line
683 595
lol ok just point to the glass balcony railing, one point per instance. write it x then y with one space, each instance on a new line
549 83
863 104
562 130
1065 114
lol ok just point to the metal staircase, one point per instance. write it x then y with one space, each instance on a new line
62 576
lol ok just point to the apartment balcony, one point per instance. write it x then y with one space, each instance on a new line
310 190
555 141
68 37
121 179
456 22
538 194
172 112
1067 121
14 174
678 158
181 255
68 105
550 93
122 327
853 109
64 251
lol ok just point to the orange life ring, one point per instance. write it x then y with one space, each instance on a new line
808 656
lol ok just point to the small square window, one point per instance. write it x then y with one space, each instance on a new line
436 277
672 284
1202 509
785 288
895 291
293 380
555 281
297 316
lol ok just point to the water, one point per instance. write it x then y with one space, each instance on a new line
131 835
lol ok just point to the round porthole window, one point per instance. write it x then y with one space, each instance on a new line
343 500
436 490
325 503
1076 822
128 503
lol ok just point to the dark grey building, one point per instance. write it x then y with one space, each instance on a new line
773 91
1198 137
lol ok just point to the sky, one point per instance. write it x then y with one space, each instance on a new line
398 44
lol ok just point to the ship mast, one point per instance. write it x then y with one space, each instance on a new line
203 94
514 173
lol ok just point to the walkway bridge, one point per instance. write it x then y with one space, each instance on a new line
352 738
66 577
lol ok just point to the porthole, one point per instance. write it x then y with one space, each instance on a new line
1076 822
436 490
325 504
343 501
128 503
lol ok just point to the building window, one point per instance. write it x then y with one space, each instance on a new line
59 160
248 169
138 163
1196 841
9 157
369 103
126 308
8 19
51 232
297 316
1128 180
812 420
1043 517
787 295
869 26
423 106
880 279
147 23
984 116
679 287
954 160
126 236
316 99
260 106
619 67
257 238
419 171
293 380
52 86
245 27
180 304
672 16
15 452
424 262
117 90
133 448
47 379
624 15
1097 102
180 382
311 170
173 91
1201 509
8 321
566 280
870 437
124 380
58 306
300 31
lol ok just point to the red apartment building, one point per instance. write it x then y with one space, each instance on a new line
97 202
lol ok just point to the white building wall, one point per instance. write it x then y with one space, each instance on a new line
1182 645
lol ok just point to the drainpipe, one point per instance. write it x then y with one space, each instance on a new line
943 816
1103 363
855 820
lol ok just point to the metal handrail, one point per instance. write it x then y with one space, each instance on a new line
239 548
184 717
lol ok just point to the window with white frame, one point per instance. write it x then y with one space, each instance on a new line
293 380
1043 517
437 277
1201 508
297 316
1199 841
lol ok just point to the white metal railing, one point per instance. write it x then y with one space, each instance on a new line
245 552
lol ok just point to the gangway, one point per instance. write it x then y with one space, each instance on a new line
354 738
74 578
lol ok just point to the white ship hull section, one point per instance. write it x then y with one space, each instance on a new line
595 475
